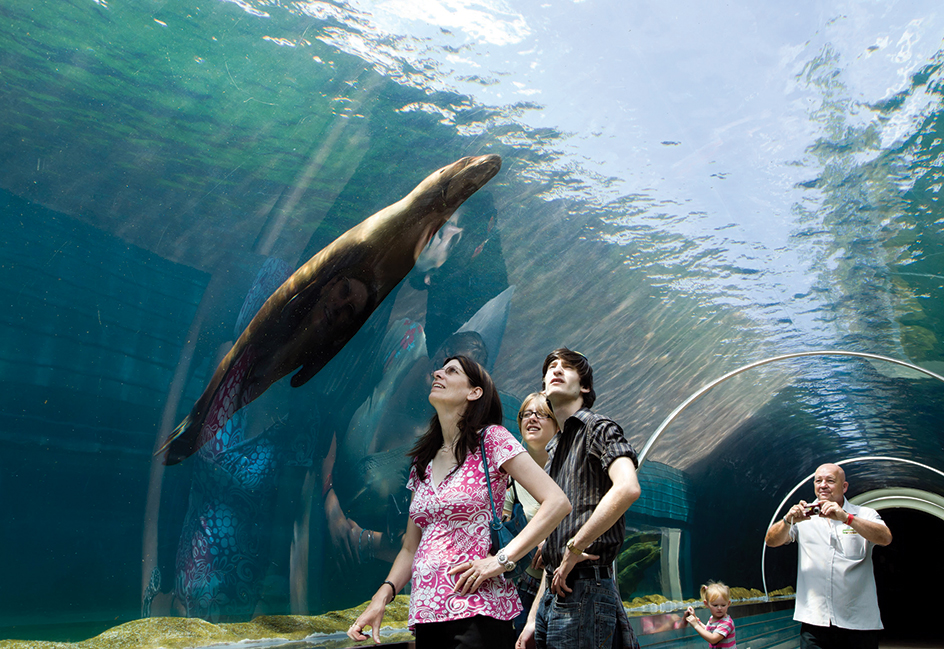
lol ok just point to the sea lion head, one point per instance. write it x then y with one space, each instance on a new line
443 191
464 177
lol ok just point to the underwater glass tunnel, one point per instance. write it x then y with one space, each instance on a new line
734 211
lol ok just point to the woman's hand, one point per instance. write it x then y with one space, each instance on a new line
342 530
352 543
473 574
344 536
371 617
526 639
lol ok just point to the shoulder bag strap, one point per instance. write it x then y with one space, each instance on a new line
488 482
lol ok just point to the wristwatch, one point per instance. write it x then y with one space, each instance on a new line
504 561
572 546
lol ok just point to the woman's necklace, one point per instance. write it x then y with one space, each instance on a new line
448 463
449 447
448 451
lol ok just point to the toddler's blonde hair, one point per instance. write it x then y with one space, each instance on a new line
715 590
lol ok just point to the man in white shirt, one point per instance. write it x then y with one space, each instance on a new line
836 602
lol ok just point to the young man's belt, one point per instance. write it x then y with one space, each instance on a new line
586 572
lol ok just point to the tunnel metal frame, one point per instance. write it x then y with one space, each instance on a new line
902 498
773 359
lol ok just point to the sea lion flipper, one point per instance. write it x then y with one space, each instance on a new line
304 375
295 310
178 431
180 443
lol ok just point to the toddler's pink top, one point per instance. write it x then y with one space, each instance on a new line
454 517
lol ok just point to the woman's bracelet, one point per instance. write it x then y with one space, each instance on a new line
392 587
369 555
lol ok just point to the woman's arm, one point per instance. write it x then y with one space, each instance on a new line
526 638
399 574
554 504
298 550
508 505
340 529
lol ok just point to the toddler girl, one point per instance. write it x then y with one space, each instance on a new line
719 631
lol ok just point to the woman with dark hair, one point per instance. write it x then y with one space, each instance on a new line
459 596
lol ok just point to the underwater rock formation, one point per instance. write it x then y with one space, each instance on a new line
181 633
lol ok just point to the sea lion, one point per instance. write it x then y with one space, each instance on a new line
322 305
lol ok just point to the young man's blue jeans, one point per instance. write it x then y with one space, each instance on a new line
592 616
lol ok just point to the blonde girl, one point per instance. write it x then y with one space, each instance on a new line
538 425
719 630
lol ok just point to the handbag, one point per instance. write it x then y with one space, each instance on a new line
502 533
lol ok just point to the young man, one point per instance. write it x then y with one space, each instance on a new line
593 463
836 602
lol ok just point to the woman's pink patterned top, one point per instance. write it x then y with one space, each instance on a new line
454 518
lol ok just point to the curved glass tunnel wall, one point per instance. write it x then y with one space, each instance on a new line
734 185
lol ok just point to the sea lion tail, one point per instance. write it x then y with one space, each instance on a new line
220 401
175 452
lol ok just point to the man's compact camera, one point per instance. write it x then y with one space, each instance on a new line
812 510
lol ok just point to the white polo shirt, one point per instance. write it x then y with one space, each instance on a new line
835 582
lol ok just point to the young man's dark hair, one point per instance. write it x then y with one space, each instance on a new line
580 363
